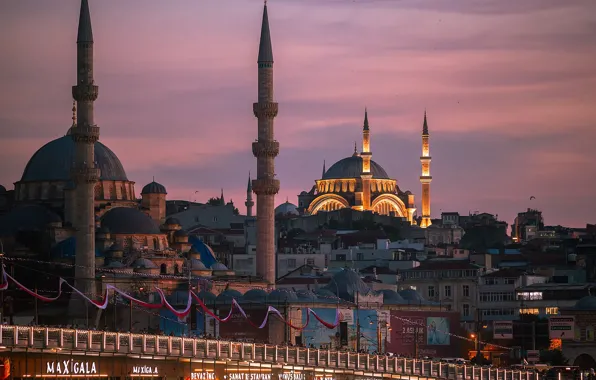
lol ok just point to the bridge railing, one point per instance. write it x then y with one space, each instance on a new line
104 341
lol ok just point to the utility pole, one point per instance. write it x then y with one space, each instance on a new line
478 329
357 324
533 335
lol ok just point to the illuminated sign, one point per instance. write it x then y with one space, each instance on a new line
144 370
249 376
71 367
291 376
202 376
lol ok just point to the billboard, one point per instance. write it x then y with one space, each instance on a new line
503 329
560 327
424 332
374 324
316 334
237 327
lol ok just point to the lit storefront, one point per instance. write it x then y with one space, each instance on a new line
58 365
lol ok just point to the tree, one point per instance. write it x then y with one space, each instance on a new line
553 357
480 238
214 201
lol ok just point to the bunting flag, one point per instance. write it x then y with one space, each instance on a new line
181 314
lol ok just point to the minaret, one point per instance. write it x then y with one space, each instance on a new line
425 178
84 172
265 149
221 198
324 170
249 202
366 157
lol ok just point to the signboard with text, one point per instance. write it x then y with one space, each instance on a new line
561 327
503 329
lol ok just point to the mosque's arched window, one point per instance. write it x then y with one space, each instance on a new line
163 269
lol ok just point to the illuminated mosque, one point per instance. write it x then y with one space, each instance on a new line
359 183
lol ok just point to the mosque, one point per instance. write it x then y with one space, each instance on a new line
42 218
359 183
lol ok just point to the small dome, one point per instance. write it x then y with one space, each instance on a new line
326 293
172 222
114 264
411 296
306 295
129 221
586 303
227 295
286 208
154 188
392 297
282 296
347 283
218 266
116 247
258 295
180 233
351 167
143 264
197 265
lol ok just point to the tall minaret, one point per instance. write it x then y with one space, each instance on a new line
84 172
265 149
425 178
366 156
249 202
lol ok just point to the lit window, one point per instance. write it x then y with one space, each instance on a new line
533 311
552 310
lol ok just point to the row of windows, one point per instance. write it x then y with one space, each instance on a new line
498 281
432 292
456 273
497 296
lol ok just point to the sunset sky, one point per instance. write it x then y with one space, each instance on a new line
509 87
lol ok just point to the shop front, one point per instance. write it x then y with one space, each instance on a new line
57 365
60 366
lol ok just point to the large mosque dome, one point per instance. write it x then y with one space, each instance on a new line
351 167
48 175
53 162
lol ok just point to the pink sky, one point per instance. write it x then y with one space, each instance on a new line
510 89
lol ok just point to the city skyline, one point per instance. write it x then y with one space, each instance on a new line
507 88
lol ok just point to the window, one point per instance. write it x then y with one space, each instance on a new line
466 310
466 290
360 256
291 263
215 218
590 333
510 281
431 292
310 261
448 291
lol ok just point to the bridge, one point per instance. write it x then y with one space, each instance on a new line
69 353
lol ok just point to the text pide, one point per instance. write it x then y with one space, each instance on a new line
71 367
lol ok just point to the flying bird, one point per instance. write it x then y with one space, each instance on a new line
532 197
